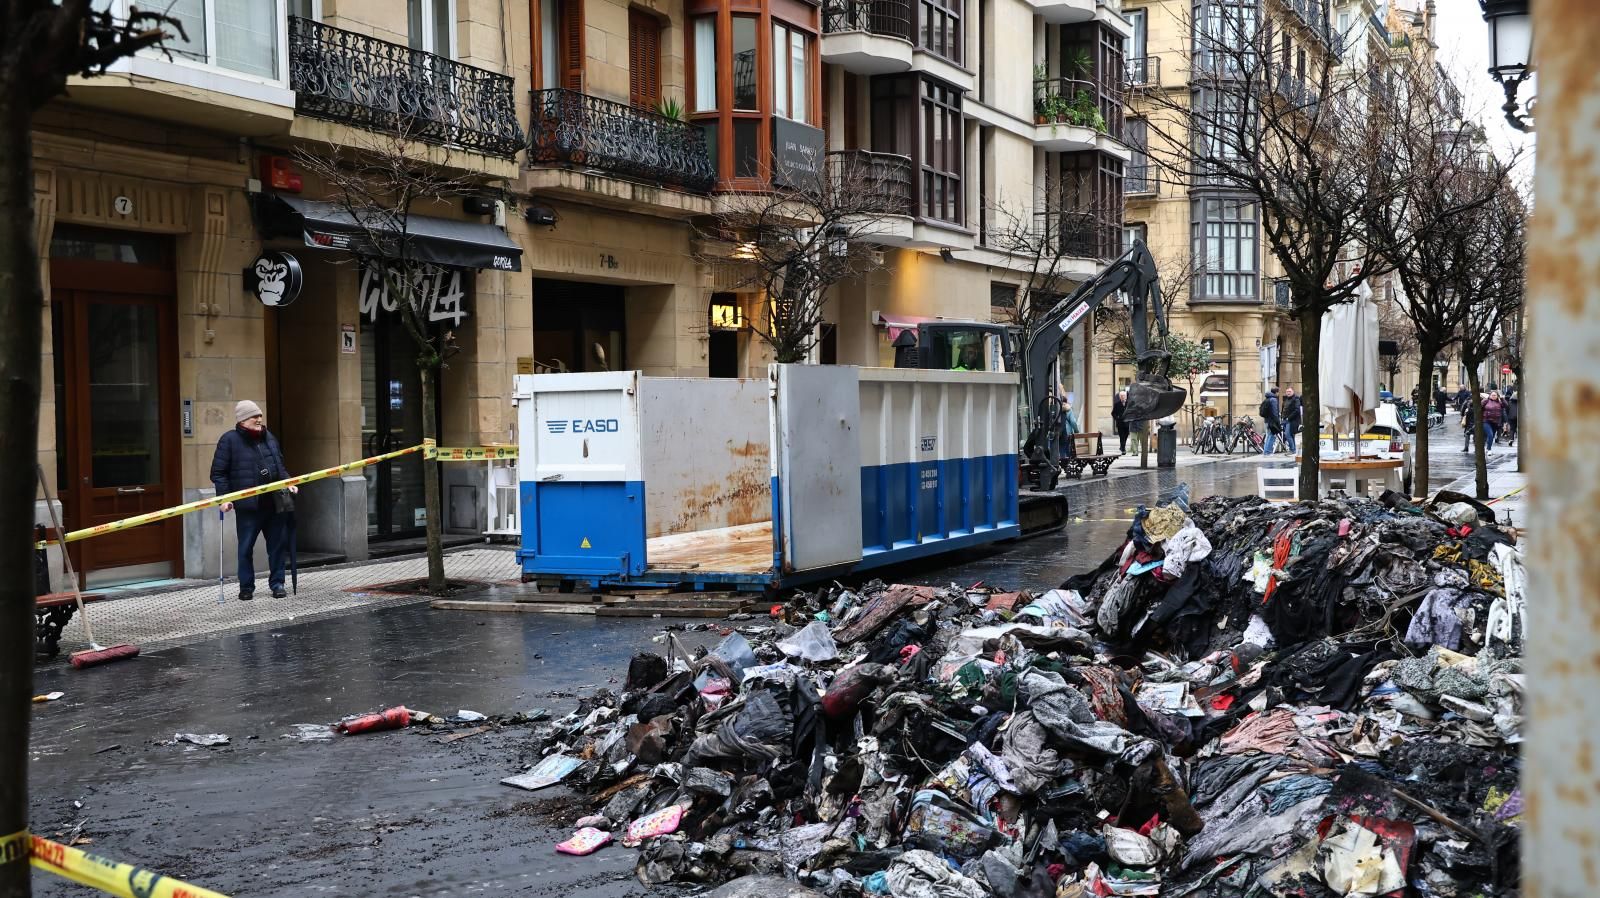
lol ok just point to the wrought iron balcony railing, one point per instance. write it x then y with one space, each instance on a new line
575 129
889 18
347 77
886 176
1144 71
1140 179
1079 234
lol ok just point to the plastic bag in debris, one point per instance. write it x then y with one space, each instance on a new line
758 726
763 887
1059 608
814 643
921 874
942 824
735 652
800 844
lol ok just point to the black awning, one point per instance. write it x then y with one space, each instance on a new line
442 241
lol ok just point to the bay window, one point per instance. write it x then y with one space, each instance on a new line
750 61
1225 250
920 117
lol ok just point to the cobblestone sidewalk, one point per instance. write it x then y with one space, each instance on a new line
189 613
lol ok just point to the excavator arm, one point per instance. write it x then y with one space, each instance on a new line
1150 396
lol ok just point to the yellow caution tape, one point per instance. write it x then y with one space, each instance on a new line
178 510
113 877
471 453
14 847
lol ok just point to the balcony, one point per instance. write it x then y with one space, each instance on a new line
1297 93
1072 115
1082 235
1064 12
868 37
574 130
886 177
1140 181
353 79
1144 71
1314 14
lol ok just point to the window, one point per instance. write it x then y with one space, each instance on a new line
1221 132
1225 249
744 71
431 26
1139 178
1002 296
1221 27
941 29
942 139
239 35
1135 232
1139 44
705 64
561 44
1091 191
644 59
744 63
790 73
306 9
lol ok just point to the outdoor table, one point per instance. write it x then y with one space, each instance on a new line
1357 476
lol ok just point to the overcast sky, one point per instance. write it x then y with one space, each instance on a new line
1464 53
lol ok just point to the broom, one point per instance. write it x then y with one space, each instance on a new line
96 653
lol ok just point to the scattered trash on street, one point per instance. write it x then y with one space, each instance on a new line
1320 698
387 719
203 739
47 697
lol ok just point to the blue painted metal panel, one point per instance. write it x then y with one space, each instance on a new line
583 529
925 503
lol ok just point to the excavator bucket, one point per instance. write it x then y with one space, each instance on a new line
1151 397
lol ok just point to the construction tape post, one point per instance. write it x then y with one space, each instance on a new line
427 447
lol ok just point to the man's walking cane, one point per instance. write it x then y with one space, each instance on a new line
222 552
294 553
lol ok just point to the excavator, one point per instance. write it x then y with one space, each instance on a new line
974 345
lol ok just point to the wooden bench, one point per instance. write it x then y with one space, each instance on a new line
54 611
1087 452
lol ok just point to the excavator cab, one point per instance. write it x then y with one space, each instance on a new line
957 346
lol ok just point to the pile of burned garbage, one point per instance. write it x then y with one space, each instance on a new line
1321 698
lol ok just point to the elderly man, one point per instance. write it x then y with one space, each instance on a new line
247 456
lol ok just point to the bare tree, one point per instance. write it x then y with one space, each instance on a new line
809 232
1436 192
379 181
1395 328
1294 139
1491 295
42 43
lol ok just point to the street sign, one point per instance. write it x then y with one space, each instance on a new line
1505 369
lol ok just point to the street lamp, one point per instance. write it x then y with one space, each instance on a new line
1511 55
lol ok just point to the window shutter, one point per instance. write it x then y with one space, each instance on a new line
644 59
572 45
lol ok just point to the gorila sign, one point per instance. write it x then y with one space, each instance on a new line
275 278
436 291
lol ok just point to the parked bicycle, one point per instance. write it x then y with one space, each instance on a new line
1244 437
1209 436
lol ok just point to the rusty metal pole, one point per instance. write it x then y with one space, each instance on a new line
1561 767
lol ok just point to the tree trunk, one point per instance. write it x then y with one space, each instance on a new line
1419 469
21 302
430 480
1480 458
1310 400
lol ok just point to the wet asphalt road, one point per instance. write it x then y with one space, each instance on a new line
396 813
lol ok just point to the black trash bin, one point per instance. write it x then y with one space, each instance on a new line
1167 444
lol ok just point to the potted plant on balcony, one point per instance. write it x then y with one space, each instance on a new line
1083 111
1043 96
671 108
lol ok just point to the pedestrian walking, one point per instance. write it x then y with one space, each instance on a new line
1119 408
1271 419
1512 401
247 456
1441 400
1494 414
1291 417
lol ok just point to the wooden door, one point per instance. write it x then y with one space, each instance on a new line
644 60
121 447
